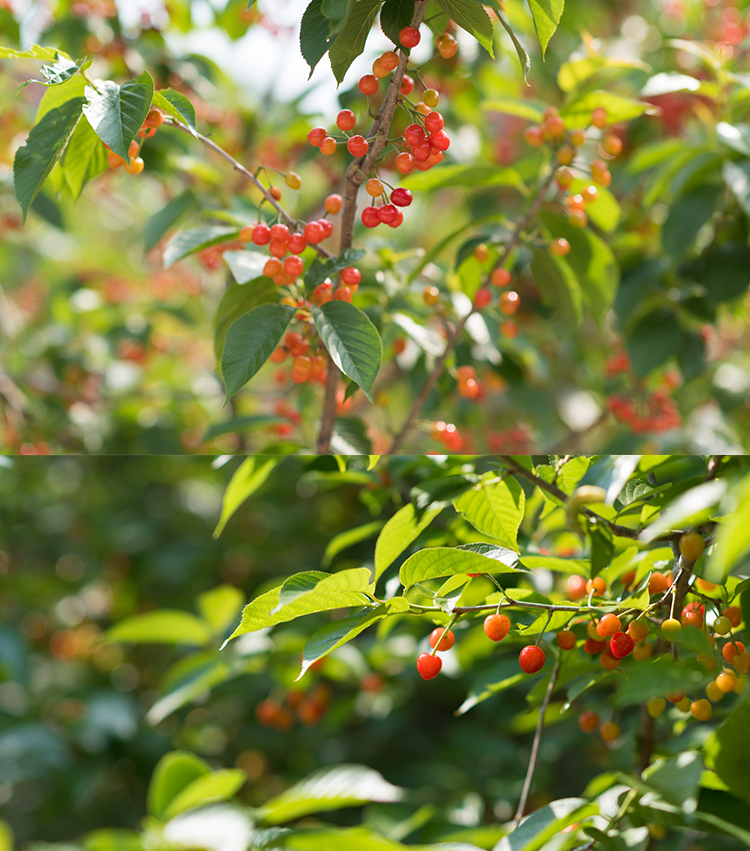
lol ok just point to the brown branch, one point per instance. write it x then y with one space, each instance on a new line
356 174
535 745
437 370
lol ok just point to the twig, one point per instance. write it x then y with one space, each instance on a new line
535 745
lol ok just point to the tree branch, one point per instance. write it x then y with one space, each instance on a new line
535 745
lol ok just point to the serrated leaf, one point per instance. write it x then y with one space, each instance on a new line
559 288
250 341
333 635
248 477
546 14
84 159
494 508
471 16
351 40
177 105
45 144
319 270
207 789
314 34
163 626
401 530
117 112
55 75
351 340
394 16
435 562
237 301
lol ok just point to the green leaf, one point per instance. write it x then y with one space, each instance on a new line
56 74
350 41
44 146
318 271
464 175
163 626
118 112
500 677
471 16
250 341
220 606
688 215
56 96
735 136
732 534
160 222
559 288
657 677
314 35
200 672
248 477
176 105
172 774
536 830
523 56
677 779
730 751
349 538
47 54
602 548
401 530
245 265
349 435
394 16
508 106
446 561
736 176
577 71
605 212
494 508
329 789
189 241
237 301
237 424
84 159
577 113
546 14
311 582
328 593
207 789
653 340
691 356
333 635
352 341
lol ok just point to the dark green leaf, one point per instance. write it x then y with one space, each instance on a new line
602 548
239 424
350 42
333 635
654 339
686 217
189 241
118 112
176 105
319 270
238 300
249 342
350 437
44 146
471 16
84 159
55 74
523 56
47 209
159 223
546 14
352 341
394 16
725 272
691 356
559 288
314 34
732 755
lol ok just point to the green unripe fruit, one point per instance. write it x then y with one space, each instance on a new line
671 626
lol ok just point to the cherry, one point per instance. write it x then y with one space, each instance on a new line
401 197
358 146
742 662
608 625
643 651
531 659
496 627
655 706
734 615
589 194
599 117
447 636
446 45
421 152
658 583
701 709
600 173
433 122
501 278
154 118
439 140
722 625
277 247
301 369
370 217
316 136
351 276
692 546
343 294
368 84
576 585
278 355
729 651
297 243
404 162
509 303
275 193
671 626
280 232
564 178
565 154
332 204
692 618
379 69
322 294
346 119
407 85
591 645
621 645
327 227
409 37
414 134
675 696
261 234
388 214
637 631
294 266
296 344
398 221
534 136
272 268
135 166
566 639
429 666
609 731
577 138
246 234
608 660
328 146
588 721
482 298
374 187
560 247
554 127
612 145
430 295
133 149
314 233
726 681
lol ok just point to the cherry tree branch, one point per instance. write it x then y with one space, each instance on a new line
437 370
356 174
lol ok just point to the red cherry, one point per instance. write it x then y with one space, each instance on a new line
388 214
370 217
351 276
576 585
401 197
439 140
297 243
327 227
296 344
448 639
294 266
621 645
421 152
496 627
368 84
280 232
531 659
357 146
343 294
414 134
314 233
409 37
399 220
566 639
346 119
429 666
404 162
592 646
482 298
261 234
433 122
277 247
608 625
407 85
316 136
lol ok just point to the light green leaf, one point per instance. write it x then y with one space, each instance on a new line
44 146
118 112
732 534
349 538
577 71
173 772
176 105
352 341
605 212
560 290
730 751
446 561
577 113
329 789
736 177
220 606
372 462
84 159
536 830
200 672
521 108
189 241
160 222
494 508
401 530
471 16
163 626
248 477
207 789
312 582
735 136
46 54
464 175
689 506
546 14
350 41
245 266
55 75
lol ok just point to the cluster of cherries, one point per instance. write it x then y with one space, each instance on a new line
154 119
656 412
309 707
448 435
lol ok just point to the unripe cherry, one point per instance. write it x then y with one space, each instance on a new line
301 368
343 294
608 660
368 84
346 119
655 706
609 731
370 217
589 194
333 204
564 178
560 247
431 98
671 626
429 666
293 180
612 145
726 681
509 303
729 651
608 625
531 659
621 645
401 197
442 639
374 187
409 37
135 166
577 138
734 614
389 60
430 295
379 70
154 118
638 631
722 625
599 117
296 343
446 45
588 721
675 696
534 136
658 583
575 585
246 234
701 709
565 154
